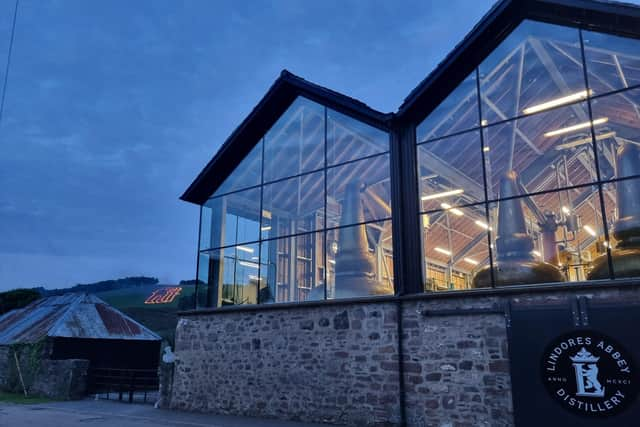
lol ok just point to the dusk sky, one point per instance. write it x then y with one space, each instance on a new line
113 107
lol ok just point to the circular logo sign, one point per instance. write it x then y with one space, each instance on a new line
589 374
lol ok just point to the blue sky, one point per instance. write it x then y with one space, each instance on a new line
112 108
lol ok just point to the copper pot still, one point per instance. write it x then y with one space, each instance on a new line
514 262
625 256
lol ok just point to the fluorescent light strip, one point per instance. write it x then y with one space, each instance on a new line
589 230
244 249
582 141
265 228
483 225
536 253
248 264
579 126
447 206
471 261
566 210
443 194
442 251
558 101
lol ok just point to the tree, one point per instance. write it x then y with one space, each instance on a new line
17 298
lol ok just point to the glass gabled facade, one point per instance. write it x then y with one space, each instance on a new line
525 174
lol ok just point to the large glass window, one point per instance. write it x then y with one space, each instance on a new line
319 213
612 62
295 144
457 113
531 69
450 171
558 158
247 174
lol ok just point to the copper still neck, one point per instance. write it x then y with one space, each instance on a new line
515 263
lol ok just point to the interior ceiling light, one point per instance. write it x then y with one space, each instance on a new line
245 249
455 211
486 149
579 126
443 194
248 264
558 101
471 261
483 225
265 228
566 210
536 253
586 140
442 251
589 230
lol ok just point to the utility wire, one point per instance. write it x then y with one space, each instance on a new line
6 70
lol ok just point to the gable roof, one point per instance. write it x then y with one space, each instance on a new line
602 16
607 17
70 316
274 103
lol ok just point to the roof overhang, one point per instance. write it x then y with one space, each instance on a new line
264 115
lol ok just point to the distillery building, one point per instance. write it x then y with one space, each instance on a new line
470 259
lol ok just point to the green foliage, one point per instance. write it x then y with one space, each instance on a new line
19 398
30 358
17 298
106 285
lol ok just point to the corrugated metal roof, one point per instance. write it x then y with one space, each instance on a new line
70 316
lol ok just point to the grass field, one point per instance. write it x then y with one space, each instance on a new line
160 318
19 398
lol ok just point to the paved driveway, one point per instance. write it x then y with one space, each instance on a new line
103 413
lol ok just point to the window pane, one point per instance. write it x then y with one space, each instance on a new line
612 62
292 269
360 261
230 274
450 171
247 174
541 150
552 237
359 191
454 247
204 281
350 139
618 138
293 206
457 113
295 144
623 217
231 219
537 66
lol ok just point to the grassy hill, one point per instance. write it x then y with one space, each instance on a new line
160 317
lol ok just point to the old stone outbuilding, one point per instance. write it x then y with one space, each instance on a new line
54 342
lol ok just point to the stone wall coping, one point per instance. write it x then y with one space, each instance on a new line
606 284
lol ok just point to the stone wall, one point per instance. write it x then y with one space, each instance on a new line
4 367
336 364
61 379
57 379
339 363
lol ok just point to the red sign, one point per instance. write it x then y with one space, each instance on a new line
163 296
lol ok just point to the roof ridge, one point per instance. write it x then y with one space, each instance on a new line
67 312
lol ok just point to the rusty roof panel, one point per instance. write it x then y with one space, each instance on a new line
70 316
